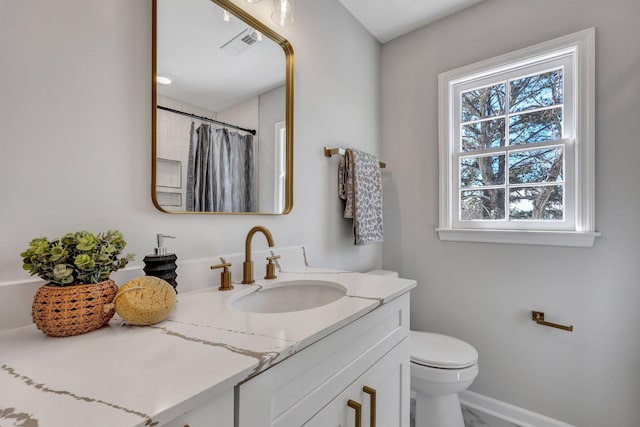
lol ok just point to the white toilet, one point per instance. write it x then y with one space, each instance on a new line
441 367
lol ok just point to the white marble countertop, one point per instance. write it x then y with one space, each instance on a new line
138 376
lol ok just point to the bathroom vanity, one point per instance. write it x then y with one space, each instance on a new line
218 359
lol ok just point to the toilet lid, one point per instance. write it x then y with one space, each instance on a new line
441 351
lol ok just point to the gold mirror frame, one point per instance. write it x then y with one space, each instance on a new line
288 52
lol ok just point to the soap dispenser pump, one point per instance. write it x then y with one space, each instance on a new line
162 264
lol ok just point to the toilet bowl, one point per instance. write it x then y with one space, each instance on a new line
441 367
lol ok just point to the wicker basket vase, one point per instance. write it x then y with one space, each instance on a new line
73 310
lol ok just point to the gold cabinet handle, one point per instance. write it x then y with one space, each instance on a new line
358 408
538 317
372 395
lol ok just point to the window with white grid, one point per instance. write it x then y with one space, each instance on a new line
516 142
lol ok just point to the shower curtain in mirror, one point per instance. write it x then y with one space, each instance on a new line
220 171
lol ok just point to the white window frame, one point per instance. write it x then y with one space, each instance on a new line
579 141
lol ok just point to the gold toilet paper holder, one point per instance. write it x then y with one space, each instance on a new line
538 317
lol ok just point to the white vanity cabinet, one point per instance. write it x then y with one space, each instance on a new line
210 357
377 395
314 386
216 412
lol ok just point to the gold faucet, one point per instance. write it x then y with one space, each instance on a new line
247 266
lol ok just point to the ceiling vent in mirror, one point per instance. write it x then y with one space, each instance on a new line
242 42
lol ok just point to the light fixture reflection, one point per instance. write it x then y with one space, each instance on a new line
253 1
163 80
282 12
223 14
255 35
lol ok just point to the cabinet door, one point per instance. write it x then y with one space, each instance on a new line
388 379
337 413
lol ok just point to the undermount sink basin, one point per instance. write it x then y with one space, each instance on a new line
287 296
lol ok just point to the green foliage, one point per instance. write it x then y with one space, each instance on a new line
80 257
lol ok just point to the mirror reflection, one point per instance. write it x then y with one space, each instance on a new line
223 111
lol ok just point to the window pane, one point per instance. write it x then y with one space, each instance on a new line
532 166
484 134
482 103
481 171
544 202
482 204
541 90
539 126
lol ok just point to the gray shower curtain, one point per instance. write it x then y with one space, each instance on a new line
220 174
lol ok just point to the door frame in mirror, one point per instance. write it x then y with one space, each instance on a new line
288 52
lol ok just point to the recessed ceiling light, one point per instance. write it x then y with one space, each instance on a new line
163 80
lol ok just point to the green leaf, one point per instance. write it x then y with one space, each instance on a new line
84 262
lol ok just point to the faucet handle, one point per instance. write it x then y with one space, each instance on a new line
225 276
271 267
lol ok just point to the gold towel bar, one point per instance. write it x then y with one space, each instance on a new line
328 152
538 317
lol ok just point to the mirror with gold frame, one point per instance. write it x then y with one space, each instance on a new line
222 129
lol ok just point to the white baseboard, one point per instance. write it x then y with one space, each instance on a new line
507 412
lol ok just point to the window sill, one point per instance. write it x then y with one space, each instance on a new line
580 239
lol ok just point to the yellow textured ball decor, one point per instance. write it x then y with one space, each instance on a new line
145 300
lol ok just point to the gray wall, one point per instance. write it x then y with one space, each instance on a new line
75 131
483 293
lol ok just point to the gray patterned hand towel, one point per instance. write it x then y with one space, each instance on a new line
360 185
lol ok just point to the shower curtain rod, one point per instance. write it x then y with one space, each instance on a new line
171 110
